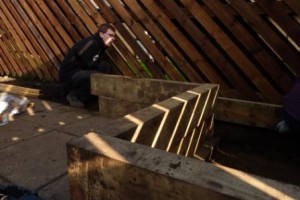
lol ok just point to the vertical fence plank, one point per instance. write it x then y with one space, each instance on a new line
34 26
48 31
236 54
224 66
40 32
7 37
14 58
3 68
250 48
81 15
6 59
22 44
276 12
63 20
139 31
73 19
38 52
132 67
57 25
285 51
194 32
294 5
152 65
281 78
161 39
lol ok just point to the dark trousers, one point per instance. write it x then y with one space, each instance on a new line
292 122
80 82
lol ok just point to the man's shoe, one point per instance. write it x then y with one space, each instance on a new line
74 101
282 127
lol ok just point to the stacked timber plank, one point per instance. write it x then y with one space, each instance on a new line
23 91
169 115
128 95
250 113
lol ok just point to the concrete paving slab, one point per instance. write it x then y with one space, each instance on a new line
92 124
35 162
59 117
57 190
19 130
42 105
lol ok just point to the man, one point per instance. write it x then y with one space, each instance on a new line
85 58
291 111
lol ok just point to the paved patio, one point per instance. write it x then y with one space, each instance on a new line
33 147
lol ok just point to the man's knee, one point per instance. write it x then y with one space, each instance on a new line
105 68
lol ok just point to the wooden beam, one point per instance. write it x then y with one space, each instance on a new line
104 167
170 124
122 92
25 91
138 90
250 113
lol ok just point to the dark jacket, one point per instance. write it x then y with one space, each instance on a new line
291 103
84 55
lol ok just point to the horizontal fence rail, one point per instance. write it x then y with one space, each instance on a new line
250 48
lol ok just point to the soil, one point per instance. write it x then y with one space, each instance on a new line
254 150
259 151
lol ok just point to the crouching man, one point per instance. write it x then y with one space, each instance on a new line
291 112
83 59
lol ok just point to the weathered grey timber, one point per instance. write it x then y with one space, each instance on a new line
130 94
105 167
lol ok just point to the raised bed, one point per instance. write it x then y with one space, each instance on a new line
155 147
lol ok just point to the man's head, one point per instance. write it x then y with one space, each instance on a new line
108 33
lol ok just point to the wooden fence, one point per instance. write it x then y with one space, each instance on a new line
250 48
